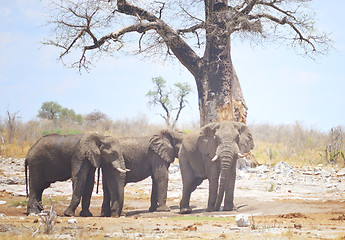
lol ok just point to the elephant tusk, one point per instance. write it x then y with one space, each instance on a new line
240 155
215 158
122 170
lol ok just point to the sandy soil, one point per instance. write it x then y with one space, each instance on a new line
276 209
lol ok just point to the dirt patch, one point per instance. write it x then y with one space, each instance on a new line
293 215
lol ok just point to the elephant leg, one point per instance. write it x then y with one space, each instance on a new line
212 194
188 187
113 188
213 178
116 201
105 210
78 184
86 198
160 179
39 199
117 205
34 204
154 196
229 194
189 184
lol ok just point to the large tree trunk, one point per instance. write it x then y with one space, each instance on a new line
220 94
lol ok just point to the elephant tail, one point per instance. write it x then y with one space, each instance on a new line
26 177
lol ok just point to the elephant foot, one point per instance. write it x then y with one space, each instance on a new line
85 213
164 208
32 211
115 214
186 210
229 209
105 213
153 208
210 209
69 213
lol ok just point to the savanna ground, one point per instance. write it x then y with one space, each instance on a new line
285 212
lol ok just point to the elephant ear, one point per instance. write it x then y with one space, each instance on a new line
207 141
89 147
246 142
162 144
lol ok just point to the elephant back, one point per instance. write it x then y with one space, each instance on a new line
189 142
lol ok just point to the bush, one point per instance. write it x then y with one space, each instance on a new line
295 144
62 131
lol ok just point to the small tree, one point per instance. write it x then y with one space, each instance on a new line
69 115
50 110
11 124
93 118
170 100
55 112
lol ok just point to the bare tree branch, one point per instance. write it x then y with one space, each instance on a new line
78 27
140 28
284 21
249 7
81 33
191 29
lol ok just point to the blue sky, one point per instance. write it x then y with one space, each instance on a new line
279 86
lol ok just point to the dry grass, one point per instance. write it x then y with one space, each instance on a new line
294 144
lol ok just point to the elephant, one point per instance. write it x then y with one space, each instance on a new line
149 156
211 153
56 157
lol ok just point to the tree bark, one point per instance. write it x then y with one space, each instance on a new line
219 91
220 94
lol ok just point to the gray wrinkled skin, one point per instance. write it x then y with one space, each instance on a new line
211 153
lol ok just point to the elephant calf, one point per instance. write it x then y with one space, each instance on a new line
57 157
149 156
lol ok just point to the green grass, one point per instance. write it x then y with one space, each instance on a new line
271 188
18 203
186 131
62 131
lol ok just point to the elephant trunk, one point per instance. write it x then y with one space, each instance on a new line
226 160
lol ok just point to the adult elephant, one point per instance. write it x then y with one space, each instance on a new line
57 157
149 156
211 153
